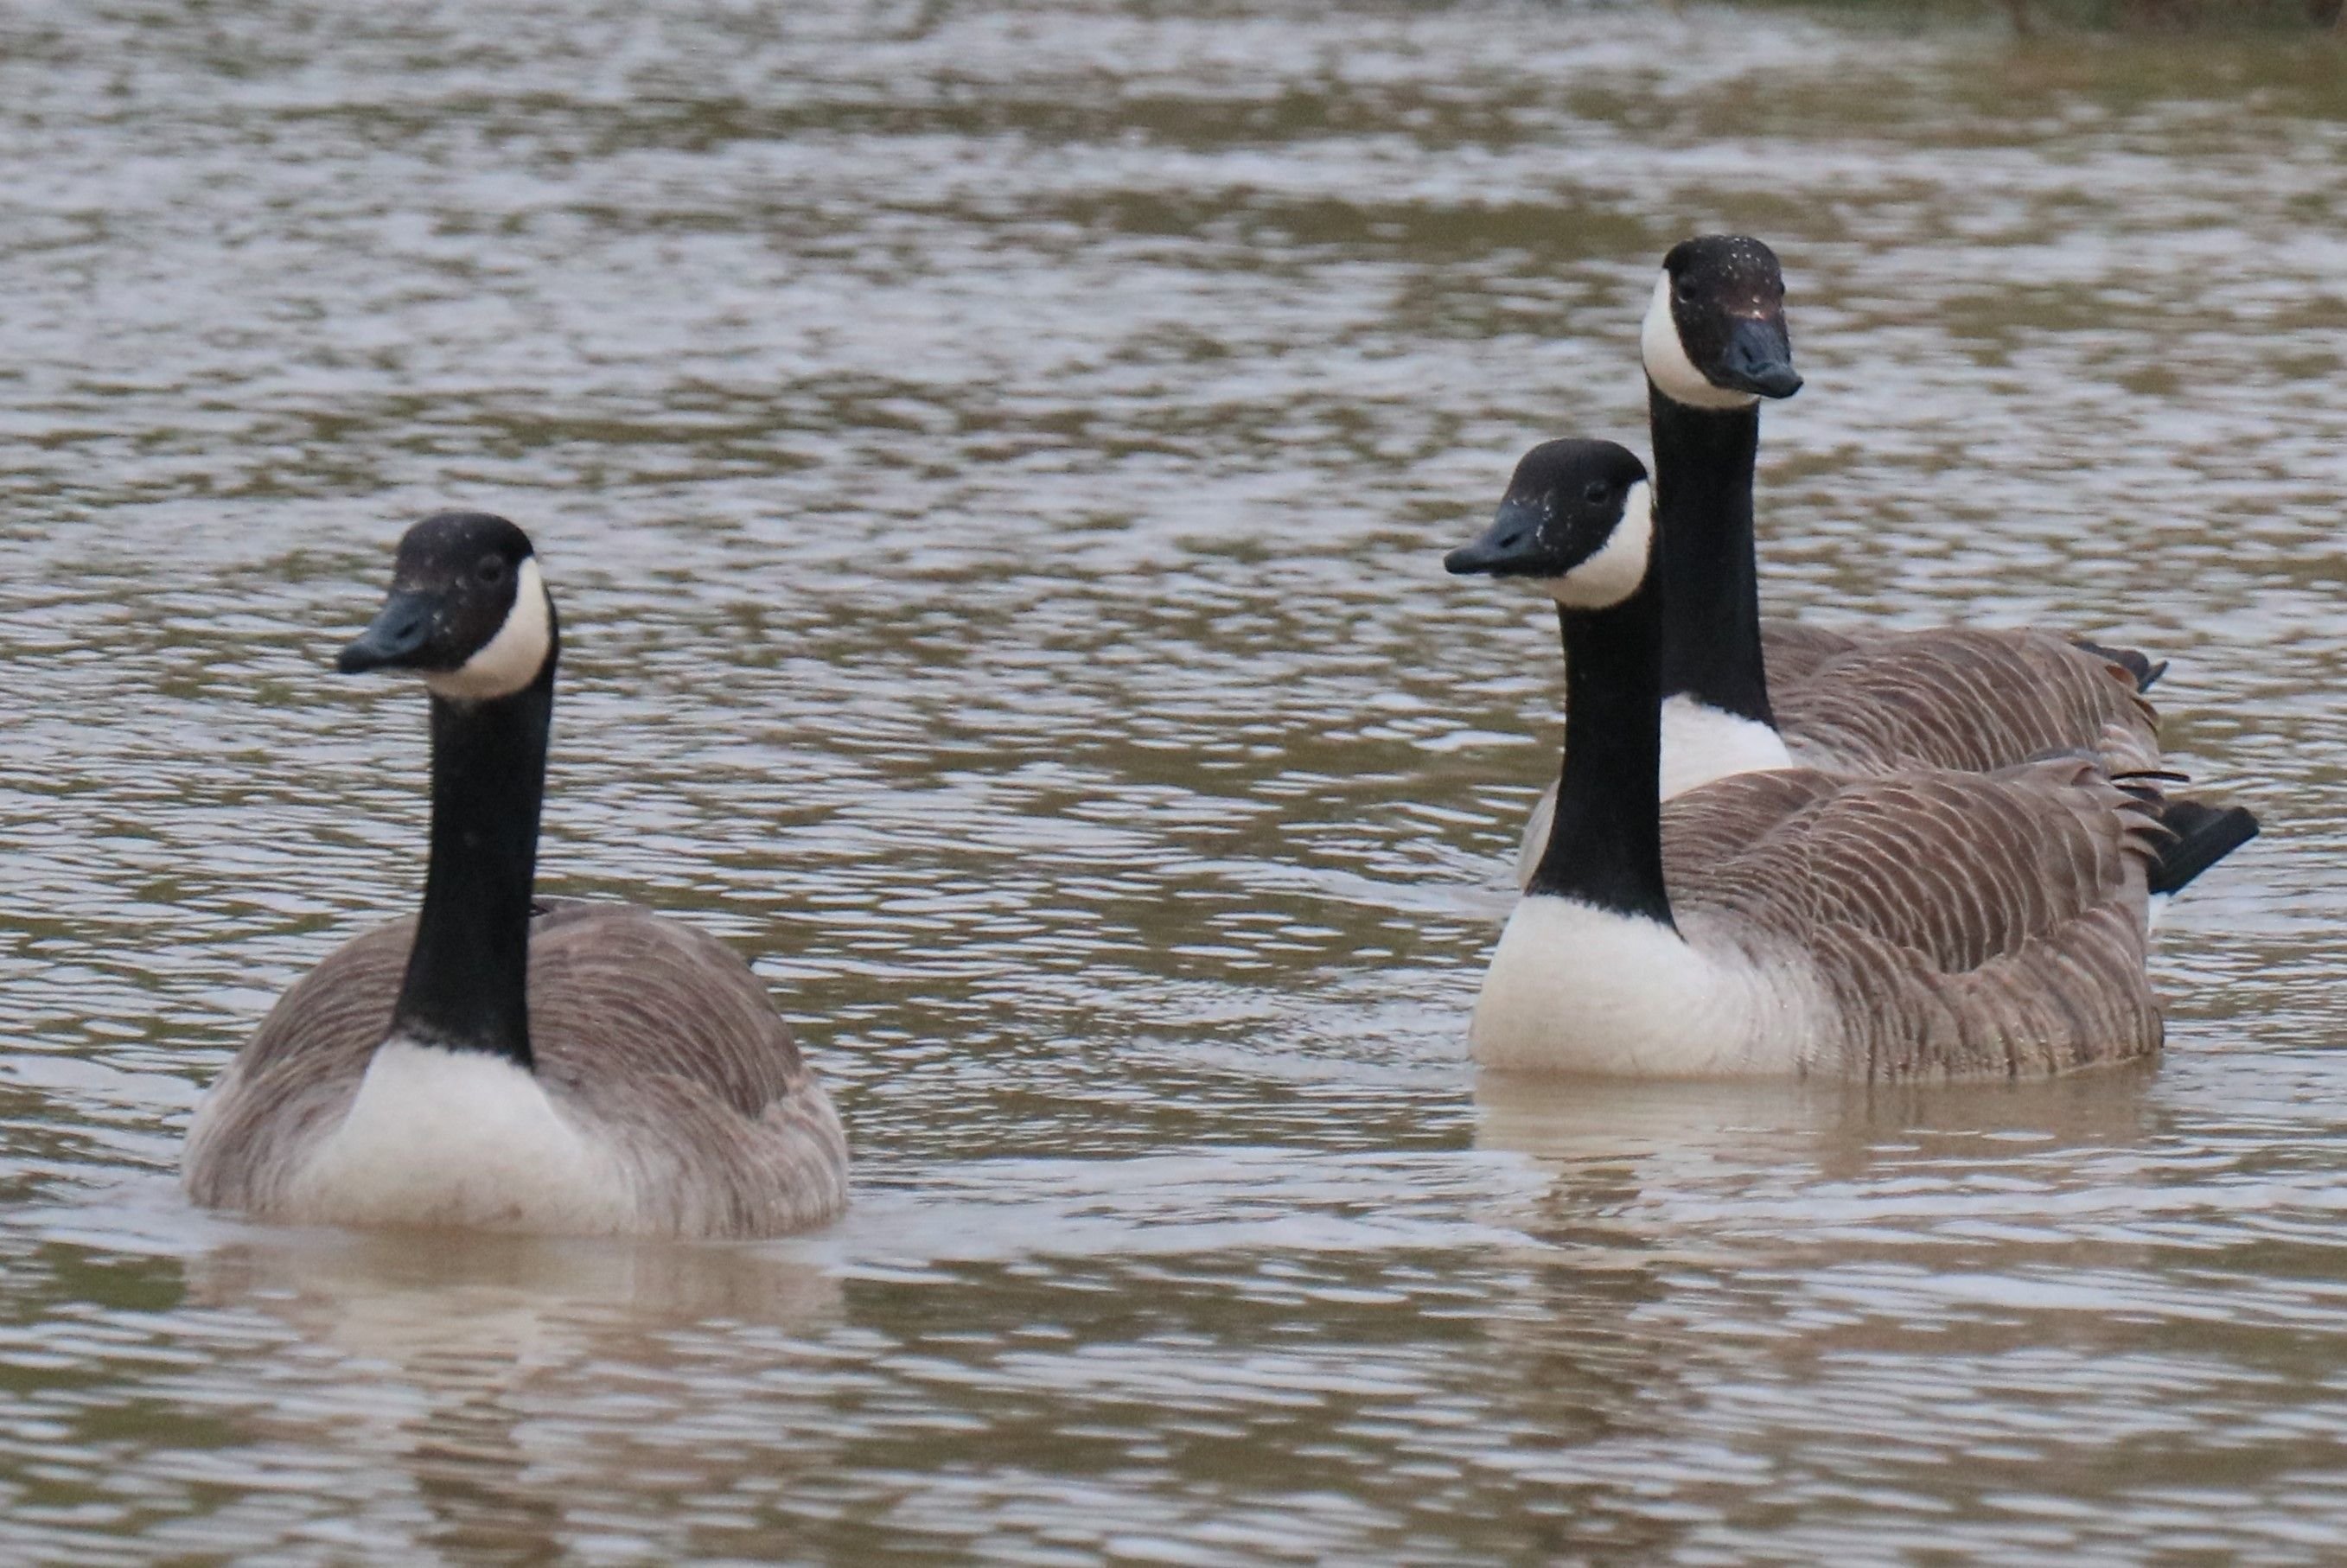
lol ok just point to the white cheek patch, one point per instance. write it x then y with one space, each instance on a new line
512 658
1615 572
1668 364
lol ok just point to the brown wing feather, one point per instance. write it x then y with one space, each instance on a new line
1960 924
1955 697
1791 650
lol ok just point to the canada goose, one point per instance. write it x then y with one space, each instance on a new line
1742 693
1920 923
566 1066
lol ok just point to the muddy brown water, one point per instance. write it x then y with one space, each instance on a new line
994 463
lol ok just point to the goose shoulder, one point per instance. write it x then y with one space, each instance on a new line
1726 818
611 980
663 1038
1963 698
294 1081
1693 838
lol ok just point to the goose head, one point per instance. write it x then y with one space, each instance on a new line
468 609
1715 333
1577 519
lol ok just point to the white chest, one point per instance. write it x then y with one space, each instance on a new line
1701 744
437 1137
1574 988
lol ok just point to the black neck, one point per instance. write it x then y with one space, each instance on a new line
1606 845
467 985
1702 511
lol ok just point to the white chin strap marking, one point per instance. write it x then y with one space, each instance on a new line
1614 573
512 658
1667 362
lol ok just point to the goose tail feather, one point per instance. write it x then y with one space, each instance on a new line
2141 667
2204 835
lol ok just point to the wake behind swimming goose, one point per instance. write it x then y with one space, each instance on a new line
1921 923
563 1068
1743 693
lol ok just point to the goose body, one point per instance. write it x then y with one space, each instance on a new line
1823 934
1743 693
718 1128
564 1067
1917 923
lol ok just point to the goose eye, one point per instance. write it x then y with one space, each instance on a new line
1598 490
491 571
1686 291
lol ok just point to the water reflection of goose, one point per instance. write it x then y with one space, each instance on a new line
1922 924
1741 693
514 1387
1705 1267
1624 1143
501 1304
568 1067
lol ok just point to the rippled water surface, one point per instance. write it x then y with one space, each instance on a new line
993 462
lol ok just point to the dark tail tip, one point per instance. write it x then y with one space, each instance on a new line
2204 836
2138 664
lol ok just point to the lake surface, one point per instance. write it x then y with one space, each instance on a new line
994 463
